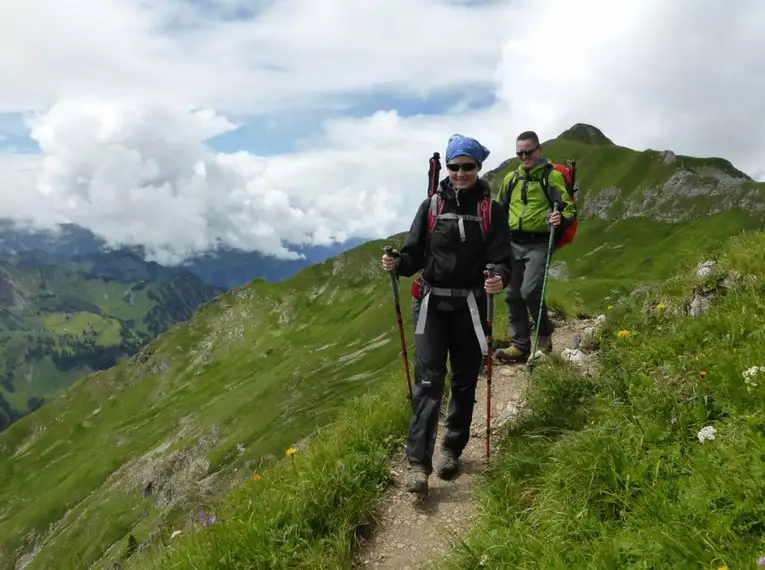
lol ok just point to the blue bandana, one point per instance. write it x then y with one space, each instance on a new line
460 145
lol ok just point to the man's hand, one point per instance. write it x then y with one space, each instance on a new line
555 218
493 285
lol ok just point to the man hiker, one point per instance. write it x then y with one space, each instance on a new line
453 237
528 209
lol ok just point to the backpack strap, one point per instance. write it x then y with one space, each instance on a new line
509 191
545 183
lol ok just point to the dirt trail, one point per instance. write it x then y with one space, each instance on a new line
410 532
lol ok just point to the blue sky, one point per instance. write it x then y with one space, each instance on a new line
282 132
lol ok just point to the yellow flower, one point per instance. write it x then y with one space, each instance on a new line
291 451
623 334
256 476
610 307
660 307
702 372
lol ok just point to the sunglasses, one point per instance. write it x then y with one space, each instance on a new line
529 152
465 166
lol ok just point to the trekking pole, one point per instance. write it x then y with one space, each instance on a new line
489 367
532 358
394 285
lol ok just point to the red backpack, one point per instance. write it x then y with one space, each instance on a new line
569 176
483 213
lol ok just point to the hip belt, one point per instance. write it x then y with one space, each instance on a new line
475 315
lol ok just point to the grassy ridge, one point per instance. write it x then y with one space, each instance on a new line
609 471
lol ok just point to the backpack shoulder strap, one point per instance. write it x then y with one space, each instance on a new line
508 191
436 205
484 212
545 182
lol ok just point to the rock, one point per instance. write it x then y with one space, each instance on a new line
588 340
574 356
558 270
699 304
705 269
668 157
732 280
576 341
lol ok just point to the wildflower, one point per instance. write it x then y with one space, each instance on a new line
707 432
291 454
761 561
702 373
256 476
660 307
623 334
205 519
610 307
749 375
674 419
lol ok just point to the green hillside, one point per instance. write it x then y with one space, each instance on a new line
62 318
137 448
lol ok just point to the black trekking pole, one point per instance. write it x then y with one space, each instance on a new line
394 285
489 363
533 356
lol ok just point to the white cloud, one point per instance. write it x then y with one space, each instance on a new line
123 142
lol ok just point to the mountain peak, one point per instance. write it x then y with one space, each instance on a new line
582 132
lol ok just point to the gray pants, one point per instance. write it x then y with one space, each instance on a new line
524 294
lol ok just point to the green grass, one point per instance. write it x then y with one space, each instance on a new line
608 472
302 512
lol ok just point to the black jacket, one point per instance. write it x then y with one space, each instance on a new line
444 259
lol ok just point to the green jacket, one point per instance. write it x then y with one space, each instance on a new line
528 208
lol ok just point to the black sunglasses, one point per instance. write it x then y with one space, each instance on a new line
526 152
466 166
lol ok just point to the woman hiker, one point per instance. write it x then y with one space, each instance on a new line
453 254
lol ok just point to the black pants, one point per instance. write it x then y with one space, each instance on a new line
447 333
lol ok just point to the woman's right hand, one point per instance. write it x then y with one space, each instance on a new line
389 262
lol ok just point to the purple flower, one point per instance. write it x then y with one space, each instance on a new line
674 419
761 561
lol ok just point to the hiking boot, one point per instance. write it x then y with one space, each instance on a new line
417 482
512 354
449 465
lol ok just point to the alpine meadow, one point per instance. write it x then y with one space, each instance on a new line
259 432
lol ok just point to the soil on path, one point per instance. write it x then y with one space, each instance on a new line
410 531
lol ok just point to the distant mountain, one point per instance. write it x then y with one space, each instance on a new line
63 317
225 268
